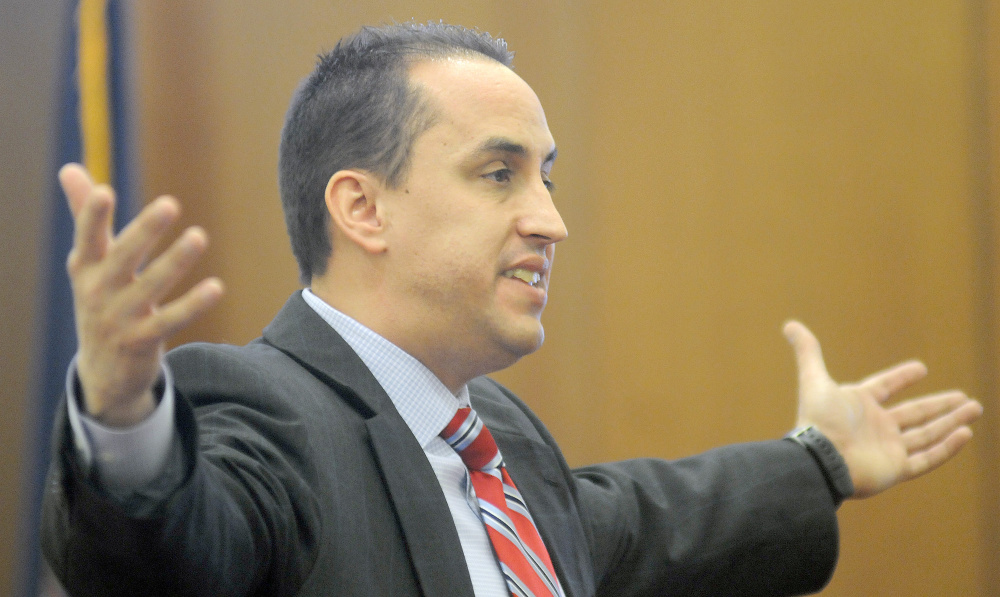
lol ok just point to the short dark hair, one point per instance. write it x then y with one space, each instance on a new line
357 109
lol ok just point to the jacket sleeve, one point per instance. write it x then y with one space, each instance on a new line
748 519
244 510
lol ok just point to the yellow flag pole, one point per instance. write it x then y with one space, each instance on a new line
95 114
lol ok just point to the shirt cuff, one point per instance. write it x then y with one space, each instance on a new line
124 458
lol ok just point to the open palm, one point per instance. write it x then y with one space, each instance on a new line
882 444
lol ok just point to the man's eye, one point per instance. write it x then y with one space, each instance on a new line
551 186
501 175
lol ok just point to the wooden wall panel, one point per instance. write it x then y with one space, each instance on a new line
986 28
765 160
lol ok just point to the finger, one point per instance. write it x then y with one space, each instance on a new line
808 355
926 436
924 462
177 314
76 185
133 244
918 411
166 270
889 381
92 227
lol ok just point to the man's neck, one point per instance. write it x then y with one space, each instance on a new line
383 320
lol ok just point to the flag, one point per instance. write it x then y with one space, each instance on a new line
93 126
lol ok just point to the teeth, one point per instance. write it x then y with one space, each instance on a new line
523 275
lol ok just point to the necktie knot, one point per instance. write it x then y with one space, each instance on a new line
467 435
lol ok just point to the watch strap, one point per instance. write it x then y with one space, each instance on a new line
826 455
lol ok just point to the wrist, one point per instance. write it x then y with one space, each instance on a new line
118 414
828 458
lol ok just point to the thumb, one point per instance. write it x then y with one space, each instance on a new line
808 355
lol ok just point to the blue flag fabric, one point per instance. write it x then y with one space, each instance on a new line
55 332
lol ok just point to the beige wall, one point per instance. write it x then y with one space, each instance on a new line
723 166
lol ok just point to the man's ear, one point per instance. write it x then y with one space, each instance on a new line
352 202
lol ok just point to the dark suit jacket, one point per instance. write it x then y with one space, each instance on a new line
300 478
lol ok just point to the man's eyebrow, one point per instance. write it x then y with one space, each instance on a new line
505 145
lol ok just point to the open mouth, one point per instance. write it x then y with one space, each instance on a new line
528 277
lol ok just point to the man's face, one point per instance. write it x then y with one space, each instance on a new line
471 230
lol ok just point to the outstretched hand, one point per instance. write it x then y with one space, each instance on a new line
883 445
120 322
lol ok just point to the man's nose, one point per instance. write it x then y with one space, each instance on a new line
542 219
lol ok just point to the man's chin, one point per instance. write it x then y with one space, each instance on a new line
526 341
506 344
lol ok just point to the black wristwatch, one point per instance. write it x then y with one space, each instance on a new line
838 478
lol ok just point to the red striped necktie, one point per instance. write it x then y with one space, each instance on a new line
524 561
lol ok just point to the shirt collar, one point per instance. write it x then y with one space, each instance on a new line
425 404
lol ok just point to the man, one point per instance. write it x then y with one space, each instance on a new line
415 177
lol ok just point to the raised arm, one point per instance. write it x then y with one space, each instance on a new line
882 444
121 323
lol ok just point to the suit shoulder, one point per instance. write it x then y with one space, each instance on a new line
256 357
220 370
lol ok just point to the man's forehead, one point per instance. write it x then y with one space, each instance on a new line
494 105
471 82
455 65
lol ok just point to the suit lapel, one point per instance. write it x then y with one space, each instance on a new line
423 512
421 508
